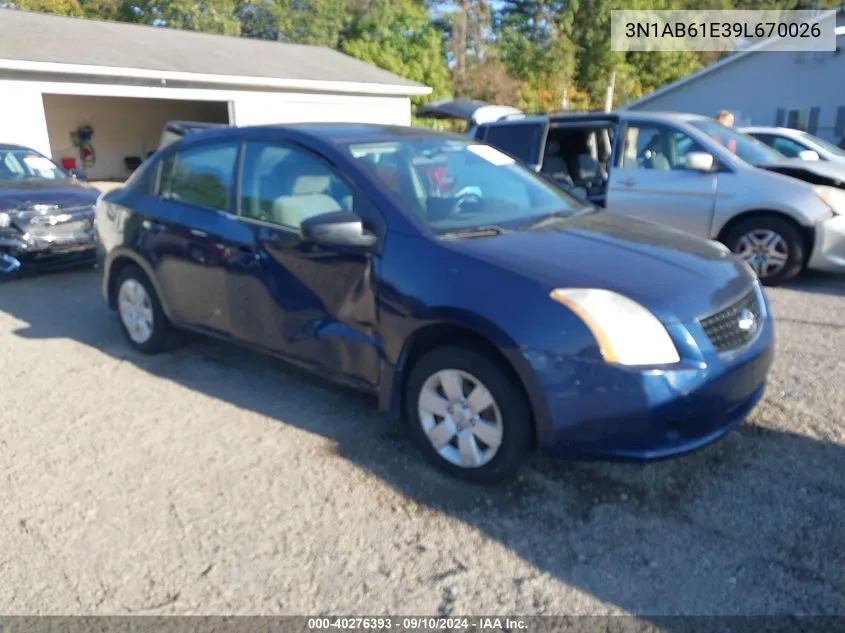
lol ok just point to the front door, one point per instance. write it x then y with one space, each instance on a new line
195 247
650 180
312 304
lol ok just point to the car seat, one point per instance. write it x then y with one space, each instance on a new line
306 197
553 164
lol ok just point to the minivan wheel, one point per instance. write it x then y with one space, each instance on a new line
143 321
467 416
771 246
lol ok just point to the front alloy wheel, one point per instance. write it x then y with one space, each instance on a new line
468 415
771 246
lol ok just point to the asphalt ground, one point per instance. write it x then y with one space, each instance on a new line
211 480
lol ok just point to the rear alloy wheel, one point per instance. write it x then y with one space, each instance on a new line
140 312
771 246
466 416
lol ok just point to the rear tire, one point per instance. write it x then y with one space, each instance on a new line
483 425
141 316
773 247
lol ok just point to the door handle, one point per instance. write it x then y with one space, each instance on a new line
198 233
244 249
628 182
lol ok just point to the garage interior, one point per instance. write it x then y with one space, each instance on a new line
125 130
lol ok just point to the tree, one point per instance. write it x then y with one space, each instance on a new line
535 44
398 36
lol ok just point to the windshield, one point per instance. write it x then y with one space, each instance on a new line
25 164
828 147
455 185
745 147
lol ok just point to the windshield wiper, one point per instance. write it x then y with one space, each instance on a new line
478 231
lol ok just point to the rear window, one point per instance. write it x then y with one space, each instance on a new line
520 140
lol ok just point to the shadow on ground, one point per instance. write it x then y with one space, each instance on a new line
819 283
752 525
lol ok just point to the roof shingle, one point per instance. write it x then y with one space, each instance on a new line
41 37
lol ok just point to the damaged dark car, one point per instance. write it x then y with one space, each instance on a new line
46 214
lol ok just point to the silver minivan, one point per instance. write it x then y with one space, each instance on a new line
688 172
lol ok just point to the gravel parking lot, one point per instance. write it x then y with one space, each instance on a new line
213 480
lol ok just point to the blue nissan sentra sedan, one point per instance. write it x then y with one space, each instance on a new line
488 310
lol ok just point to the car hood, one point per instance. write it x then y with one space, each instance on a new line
677 276
62 193
814 172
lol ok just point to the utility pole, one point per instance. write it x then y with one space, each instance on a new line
608 100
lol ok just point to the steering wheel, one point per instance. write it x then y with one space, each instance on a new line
466 196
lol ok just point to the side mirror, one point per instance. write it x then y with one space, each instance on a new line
337 228
78 175
808 154
700 161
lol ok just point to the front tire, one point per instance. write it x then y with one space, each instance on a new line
466 415
141 316
773 247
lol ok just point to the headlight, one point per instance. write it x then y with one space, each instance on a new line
834 198
626 332
5 220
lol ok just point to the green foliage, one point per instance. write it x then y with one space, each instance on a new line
398 36
536 54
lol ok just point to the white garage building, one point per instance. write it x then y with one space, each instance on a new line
125 81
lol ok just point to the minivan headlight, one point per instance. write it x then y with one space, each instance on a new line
626 332
834 198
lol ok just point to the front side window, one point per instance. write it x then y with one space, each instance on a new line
456 185
285 185
657 147
787 147
202 176
744 146
26 165
828 147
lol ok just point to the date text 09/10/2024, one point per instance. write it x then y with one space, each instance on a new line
410 624
722 30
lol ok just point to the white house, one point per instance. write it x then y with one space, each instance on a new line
765 86
126 81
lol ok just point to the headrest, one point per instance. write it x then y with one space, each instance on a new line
310 184
553 147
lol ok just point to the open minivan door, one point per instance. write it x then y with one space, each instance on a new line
475 113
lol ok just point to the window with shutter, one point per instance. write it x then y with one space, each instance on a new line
840 121
813 122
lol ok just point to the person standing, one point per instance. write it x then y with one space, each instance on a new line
726 118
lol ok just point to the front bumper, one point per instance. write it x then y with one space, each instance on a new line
56 247
604 411
828 253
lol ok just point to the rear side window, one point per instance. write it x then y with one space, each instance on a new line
520 140
202 176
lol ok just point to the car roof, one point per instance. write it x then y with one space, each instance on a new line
337 134
786 131
6 147
560 117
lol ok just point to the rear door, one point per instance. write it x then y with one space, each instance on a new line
650 181
195 249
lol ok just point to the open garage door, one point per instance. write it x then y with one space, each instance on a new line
125 130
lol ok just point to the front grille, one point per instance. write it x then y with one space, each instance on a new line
47 214
735 326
